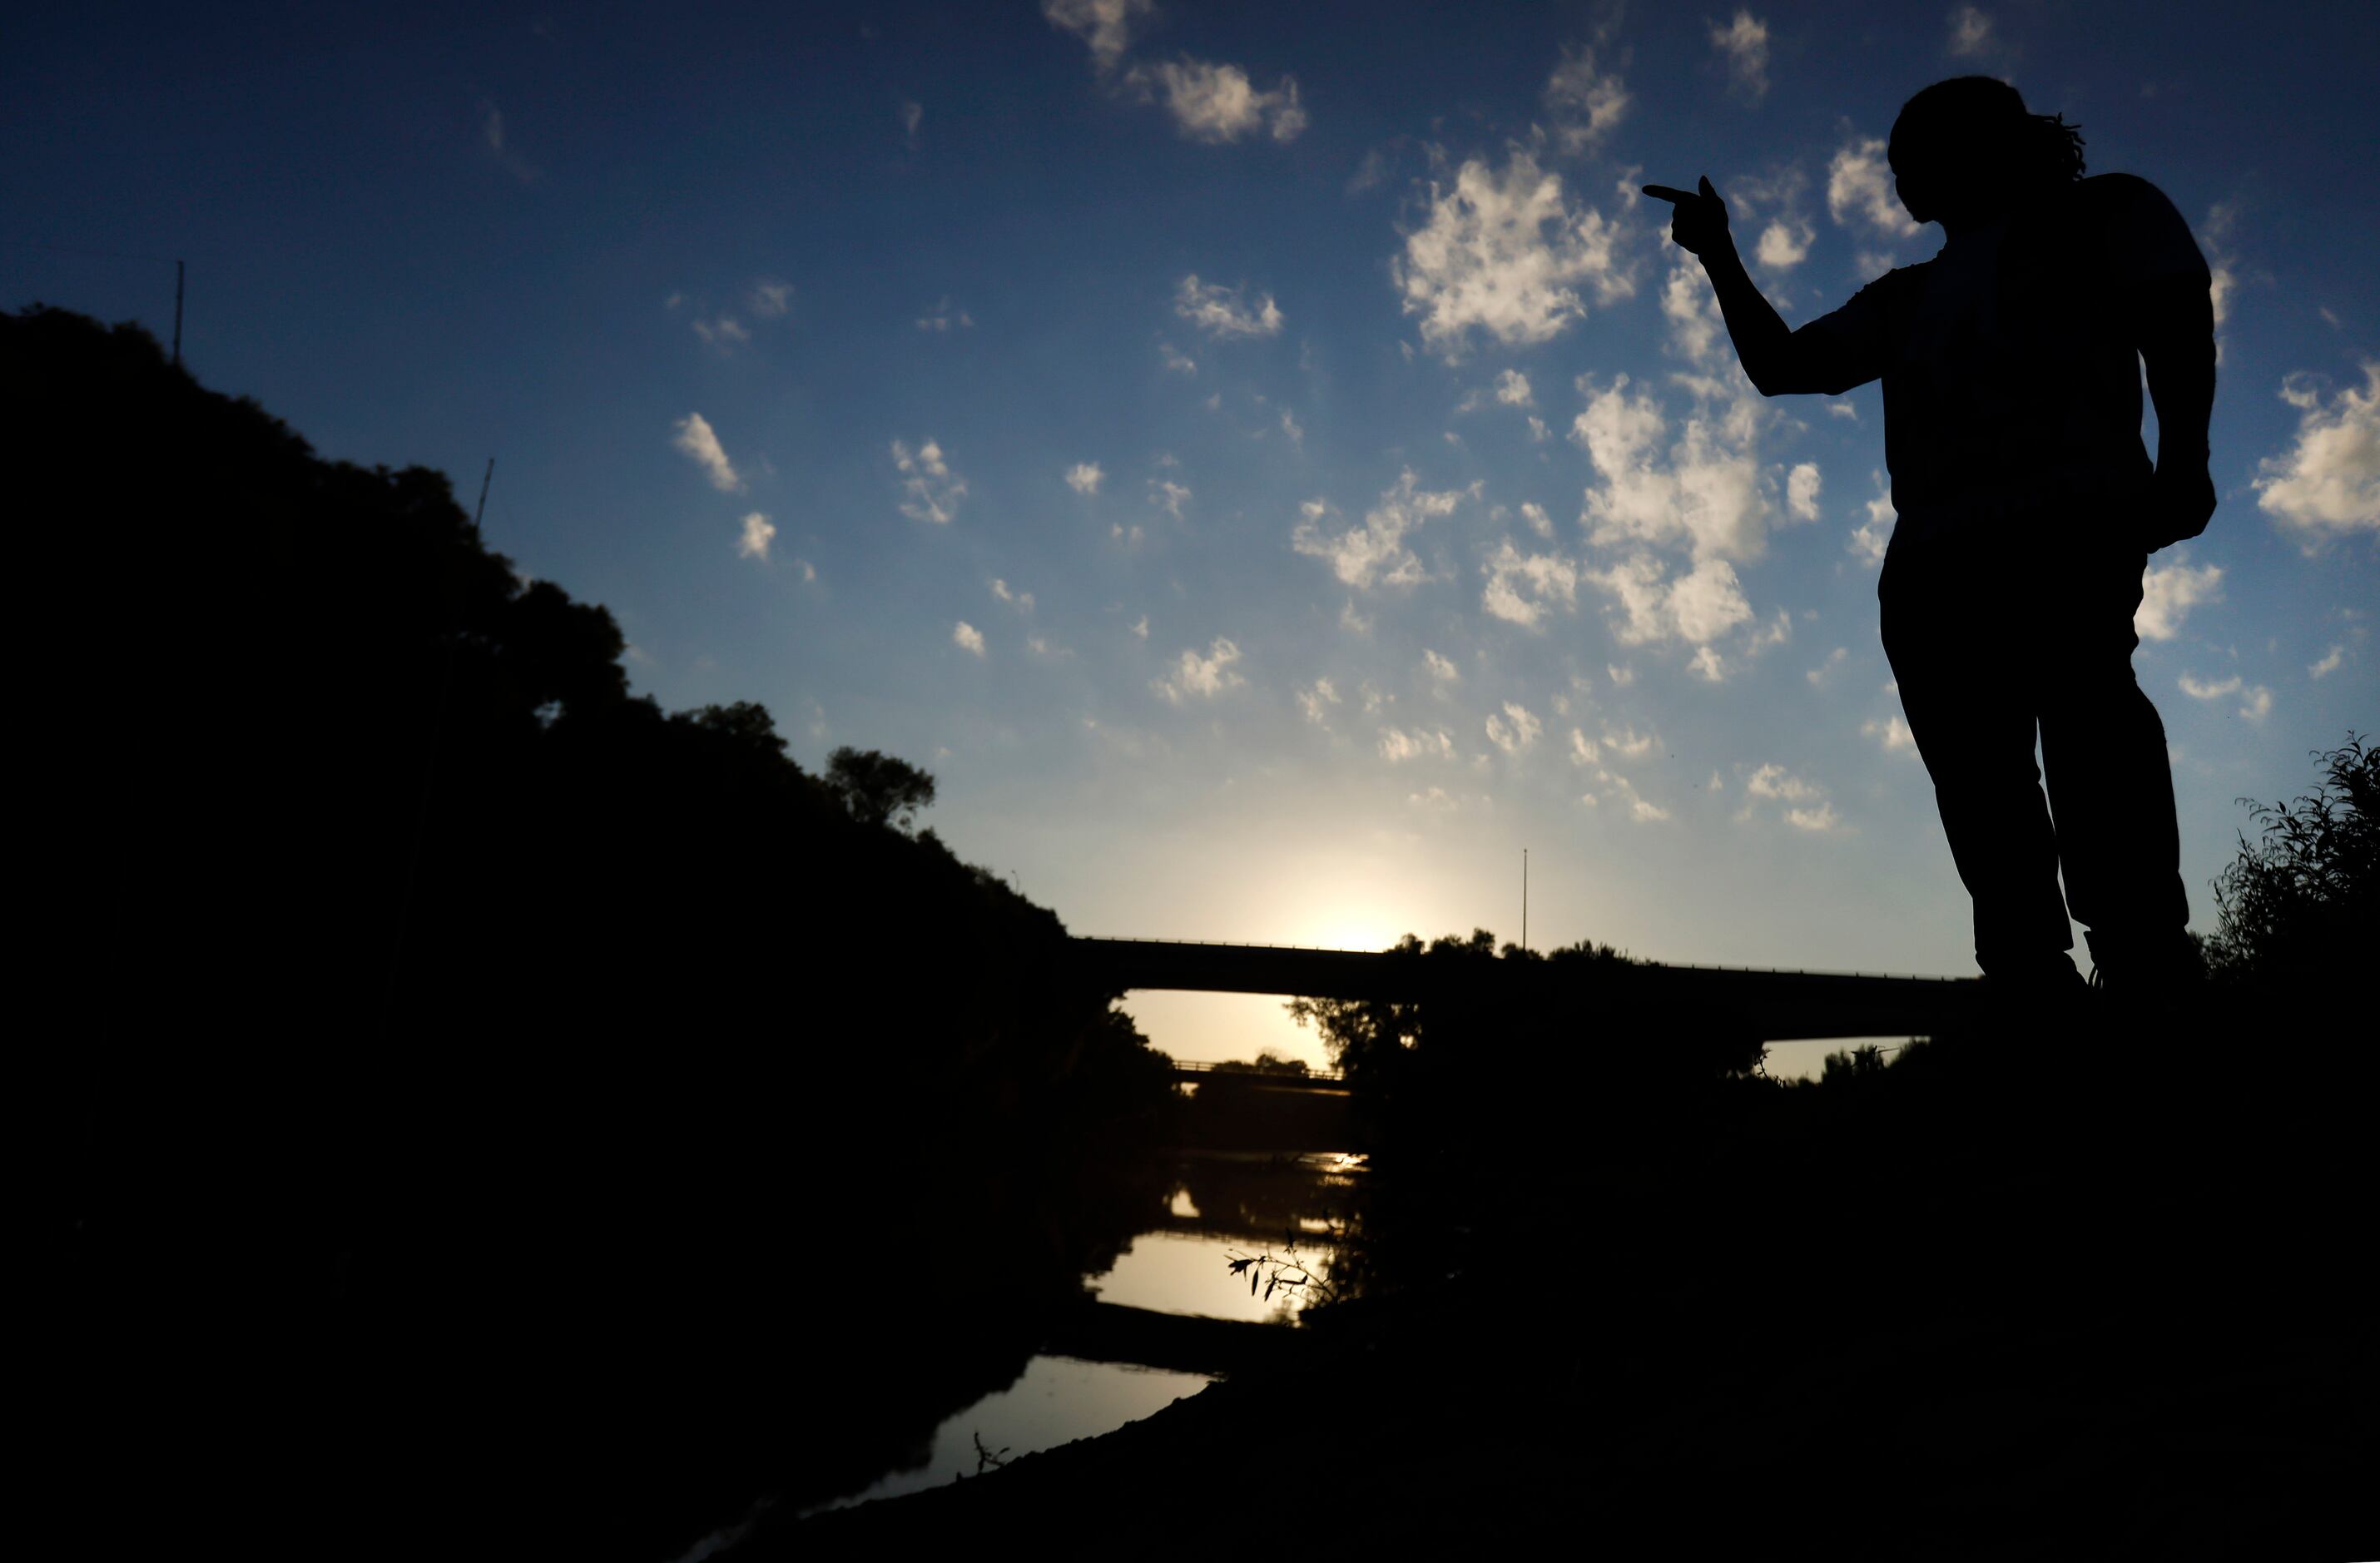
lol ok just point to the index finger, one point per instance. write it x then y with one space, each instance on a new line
1664 192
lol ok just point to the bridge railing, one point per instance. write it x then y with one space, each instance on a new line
1203 1066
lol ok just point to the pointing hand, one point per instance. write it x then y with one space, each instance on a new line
1699 222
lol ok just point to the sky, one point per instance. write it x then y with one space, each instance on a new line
1266 462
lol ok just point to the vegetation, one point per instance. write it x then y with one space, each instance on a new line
451 1027
2301 906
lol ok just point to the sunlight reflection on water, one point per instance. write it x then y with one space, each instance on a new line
1243 1203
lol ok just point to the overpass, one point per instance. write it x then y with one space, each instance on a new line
1776 1006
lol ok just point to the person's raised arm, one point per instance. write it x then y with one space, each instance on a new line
1777 360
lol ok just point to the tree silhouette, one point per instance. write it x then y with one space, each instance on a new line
2300 907
878 789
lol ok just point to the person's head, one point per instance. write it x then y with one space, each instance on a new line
1969 145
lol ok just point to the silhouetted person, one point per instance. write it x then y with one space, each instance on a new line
2028 506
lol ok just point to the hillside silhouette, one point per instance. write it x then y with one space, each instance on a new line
455 1046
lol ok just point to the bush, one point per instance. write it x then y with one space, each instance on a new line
2298 907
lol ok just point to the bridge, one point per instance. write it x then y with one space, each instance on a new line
1776 1006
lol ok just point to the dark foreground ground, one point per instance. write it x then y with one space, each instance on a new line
2042 1308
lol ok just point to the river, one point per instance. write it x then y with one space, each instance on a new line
1222 1206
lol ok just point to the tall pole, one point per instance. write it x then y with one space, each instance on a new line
1525 898
485 479
178 314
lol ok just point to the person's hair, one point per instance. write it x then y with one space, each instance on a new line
1986 113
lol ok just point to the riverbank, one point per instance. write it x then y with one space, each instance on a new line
2118 1317
1963 1436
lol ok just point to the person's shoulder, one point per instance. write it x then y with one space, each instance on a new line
2118 193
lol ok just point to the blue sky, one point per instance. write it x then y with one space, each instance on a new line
1264 461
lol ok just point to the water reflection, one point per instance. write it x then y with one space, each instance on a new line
1055 1402
1215 1207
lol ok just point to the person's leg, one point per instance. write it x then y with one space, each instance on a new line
1964 686
2111 787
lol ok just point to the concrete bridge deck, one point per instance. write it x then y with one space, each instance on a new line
1776 1006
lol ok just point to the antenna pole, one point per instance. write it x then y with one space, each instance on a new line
1525 898
178 267
485 479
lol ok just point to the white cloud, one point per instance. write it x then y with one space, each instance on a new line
1442 668
1290 426
771 299
2327 484
2222 275
2168 594
1640 808
943 317
1375 552
1775 782
966 637
1970 32
1628 743
1784 244
1140 627
933 489
726 333
1801 491
1397 745
1221 313
1584 103
1583 749
1515 730
1521 587
809 571
492 126
1809 811
2210 689
1703 490
1620 673
1177 360
1201 677
1084 477
1503 253
1316 702
1169 496
1537 430
1540 522
2328 665
1105 25
1859 189
1893 734
754 543
1698 607
1745 42
1843 409
1826 669
1021 600
1217 103
2255 700
1871 537
696 439
1512 389
912 114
